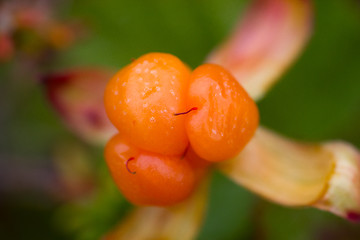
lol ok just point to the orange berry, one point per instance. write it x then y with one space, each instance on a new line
148 178
140 101
159 106
226 117
196 161
200 165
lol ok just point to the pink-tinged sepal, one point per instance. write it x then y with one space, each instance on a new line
325 175
353 216
77 95
265 42
342 194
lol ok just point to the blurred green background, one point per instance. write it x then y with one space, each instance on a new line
317 99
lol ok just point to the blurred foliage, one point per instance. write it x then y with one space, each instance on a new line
321 90
122 30
91 217
224 222
317 99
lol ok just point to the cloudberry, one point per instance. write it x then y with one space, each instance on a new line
226 118
172 123
148 178
140 101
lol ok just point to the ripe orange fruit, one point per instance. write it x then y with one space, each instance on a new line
141 99
148 178
226 117
173 124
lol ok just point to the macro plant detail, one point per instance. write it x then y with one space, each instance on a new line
188 141
146 100
307 175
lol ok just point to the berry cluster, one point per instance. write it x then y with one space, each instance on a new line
173 123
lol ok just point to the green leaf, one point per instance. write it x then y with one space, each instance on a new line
121 30
318 98
229 211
